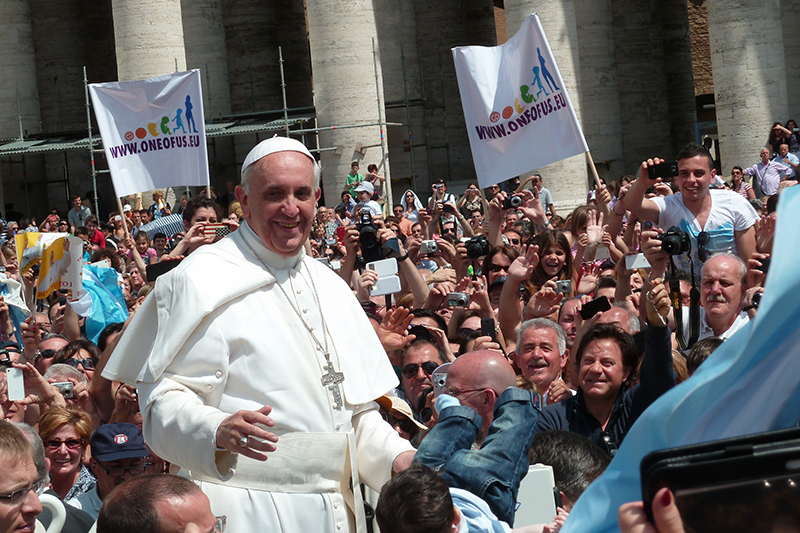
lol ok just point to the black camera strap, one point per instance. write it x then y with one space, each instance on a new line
677 309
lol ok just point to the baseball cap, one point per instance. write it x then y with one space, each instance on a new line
120 440
365 186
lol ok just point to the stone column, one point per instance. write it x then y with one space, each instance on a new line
566 179
677 45
599 89
204 40
18 64
341 36
749 68
148 36
790 18
642 82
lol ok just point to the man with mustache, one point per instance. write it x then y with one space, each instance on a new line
722 290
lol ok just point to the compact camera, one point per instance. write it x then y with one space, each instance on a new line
457 299
428 247
513 202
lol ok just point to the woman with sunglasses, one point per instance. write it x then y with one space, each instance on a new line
65 433
497 261
80 354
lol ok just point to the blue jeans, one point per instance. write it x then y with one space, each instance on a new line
495 470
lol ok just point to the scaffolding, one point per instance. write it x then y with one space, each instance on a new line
290 121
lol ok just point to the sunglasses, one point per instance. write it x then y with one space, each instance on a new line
496 268
410 370
87 364
72 444
45 354
702 240
513 241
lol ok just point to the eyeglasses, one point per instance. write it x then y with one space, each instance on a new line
222 521
45 354
702 240
72 444
87 364
456 393
410 370
118 471
513 241
445 231
15 498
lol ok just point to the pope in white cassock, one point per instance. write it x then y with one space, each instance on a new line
257 369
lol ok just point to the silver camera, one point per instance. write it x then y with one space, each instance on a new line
428 247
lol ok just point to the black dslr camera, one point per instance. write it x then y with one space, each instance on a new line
368 237
477 246
675 241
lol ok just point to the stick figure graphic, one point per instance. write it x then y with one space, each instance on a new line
189 115
546 73
179 121
537 81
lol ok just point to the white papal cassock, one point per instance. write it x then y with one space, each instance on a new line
218 336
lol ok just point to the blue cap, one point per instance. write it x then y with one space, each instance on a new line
112 442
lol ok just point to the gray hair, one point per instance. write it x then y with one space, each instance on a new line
37 447
739 261
251 168
61 371
544 323
634 325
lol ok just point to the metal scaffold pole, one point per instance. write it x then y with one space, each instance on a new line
388 180
91 141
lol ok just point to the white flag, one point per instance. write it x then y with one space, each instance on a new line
518 113
153 131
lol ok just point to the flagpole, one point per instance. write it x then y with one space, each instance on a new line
122 214
590 161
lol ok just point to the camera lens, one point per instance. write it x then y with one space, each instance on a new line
516 201
671 245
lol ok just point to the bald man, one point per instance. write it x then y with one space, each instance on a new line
480 387
476 380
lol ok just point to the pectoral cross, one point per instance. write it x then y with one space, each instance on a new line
331 379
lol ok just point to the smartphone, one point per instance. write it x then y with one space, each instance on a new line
666 170
439 379
16 384
598 305
764 265
733 485
633 262
487 328
66 389
340 231
216 230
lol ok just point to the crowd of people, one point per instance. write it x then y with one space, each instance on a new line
558 331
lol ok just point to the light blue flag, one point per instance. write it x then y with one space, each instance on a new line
750 384
108 303
11 291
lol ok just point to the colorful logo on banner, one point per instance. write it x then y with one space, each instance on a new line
163 135
543 103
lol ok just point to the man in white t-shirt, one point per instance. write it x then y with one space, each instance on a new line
725 218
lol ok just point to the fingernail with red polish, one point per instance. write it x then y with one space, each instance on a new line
666 498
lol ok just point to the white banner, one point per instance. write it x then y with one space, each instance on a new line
153 131
518 113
